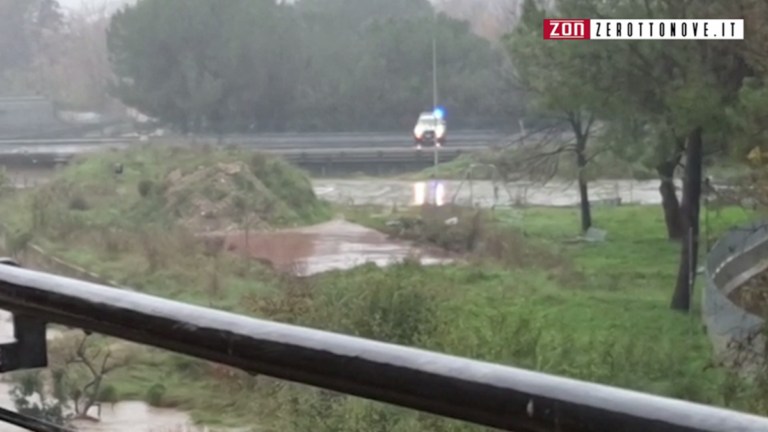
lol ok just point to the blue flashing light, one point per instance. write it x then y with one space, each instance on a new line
439 113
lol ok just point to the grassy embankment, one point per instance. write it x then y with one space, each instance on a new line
592 311
517 163
527 163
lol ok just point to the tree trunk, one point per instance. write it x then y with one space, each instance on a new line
93 396
581 163
669 201
686 275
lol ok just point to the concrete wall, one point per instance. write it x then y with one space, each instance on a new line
737 335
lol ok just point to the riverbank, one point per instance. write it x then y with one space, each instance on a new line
546 161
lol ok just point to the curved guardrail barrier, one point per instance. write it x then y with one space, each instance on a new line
482 393
739 255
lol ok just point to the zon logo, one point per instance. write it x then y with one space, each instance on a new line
566 29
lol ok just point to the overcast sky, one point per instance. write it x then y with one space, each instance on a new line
79 4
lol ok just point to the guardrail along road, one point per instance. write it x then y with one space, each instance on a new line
322 160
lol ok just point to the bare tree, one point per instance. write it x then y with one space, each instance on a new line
85 364
538 157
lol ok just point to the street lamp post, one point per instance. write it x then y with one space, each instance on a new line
434 61
435 148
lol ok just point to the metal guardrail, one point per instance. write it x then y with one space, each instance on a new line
381 155
482 393
332 141
64 142
739 255
40 156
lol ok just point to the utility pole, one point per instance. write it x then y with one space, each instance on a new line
434 61
435 148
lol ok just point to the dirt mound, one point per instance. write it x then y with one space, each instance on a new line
222 197
203 190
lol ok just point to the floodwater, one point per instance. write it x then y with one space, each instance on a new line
483 193
478 192
338 245
131 416
335 245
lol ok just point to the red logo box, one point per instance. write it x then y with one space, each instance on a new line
566 29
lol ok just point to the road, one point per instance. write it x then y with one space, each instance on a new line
352 139
341 142
318 158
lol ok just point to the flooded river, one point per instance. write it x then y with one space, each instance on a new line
482 193
338 245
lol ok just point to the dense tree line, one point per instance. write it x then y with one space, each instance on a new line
26 27
60 55
255 65
665 103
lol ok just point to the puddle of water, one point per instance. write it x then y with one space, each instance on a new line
336 245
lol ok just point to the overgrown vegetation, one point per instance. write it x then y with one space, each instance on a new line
161 187
532 164
75 381
523 296
567 310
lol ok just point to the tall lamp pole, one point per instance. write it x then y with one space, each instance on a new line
434 60
436 147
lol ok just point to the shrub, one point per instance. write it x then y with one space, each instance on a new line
108 394
17 241
78 203
154 396
146 187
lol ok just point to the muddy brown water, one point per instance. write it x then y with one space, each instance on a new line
335 245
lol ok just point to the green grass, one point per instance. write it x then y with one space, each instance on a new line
515 163
91 192
610 324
